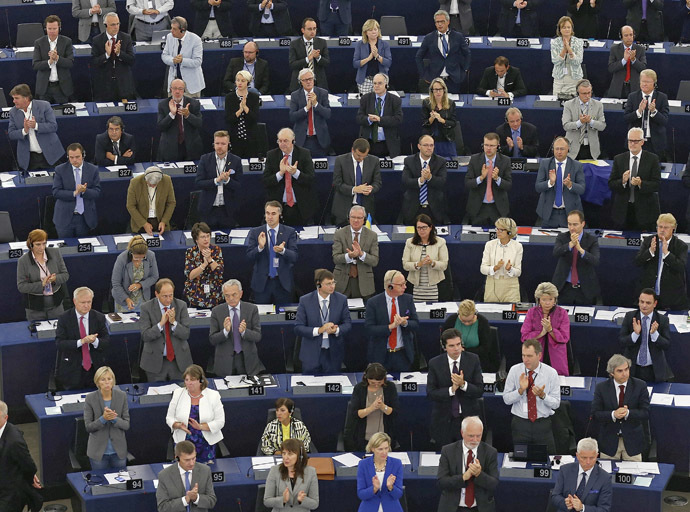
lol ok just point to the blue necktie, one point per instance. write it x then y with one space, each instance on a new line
325 343
423 192
644 342
660 254
580 492
559 186
187 487
272 270
444 43
79 207
516 149
358 181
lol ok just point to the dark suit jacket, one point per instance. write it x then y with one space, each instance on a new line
436 188
303 187
260 258
309 316
684 14
355 427
280 12
457 62
438 382
513 82
547 195
529 18
66 336
205 176
657 123
377 320
369 242
261 74
298 60
606 401
154 339
686 184
225 346
105 145
646 197
222 13
450 480
171 488
46 133
321 115
528 134
18 470
103 68
597 495
673 293
251 118
63 192
443 132
167 147
391 119
586 265
64 64
344 180
618 71
655 17
477 192
344 10
662 372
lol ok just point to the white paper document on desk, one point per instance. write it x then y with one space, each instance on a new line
349 460
263 462
168 389
661 399
401 456
429 459
573 382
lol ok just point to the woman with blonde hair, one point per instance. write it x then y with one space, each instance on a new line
134 273
380 478
372 56
242 115
438 118
476 334
502 264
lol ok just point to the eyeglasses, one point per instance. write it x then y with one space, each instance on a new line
438 89
423 228
635 141
307 79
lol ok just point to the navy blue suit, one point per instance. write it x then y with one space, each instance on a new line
684 14
547 195
46 133
377 326
389 500
321 114
657 349
63 192
597 495
205 176
286 260
309 317
105 145
335 23
657 124
457 62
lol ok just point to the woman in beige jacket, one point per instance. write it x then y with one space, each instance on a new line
425 258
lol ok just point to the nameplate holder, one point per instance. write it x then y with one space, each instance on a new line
452 164
69 110
124 173
320 165
566 391
385 164
218 476
225 43
14 254
344 41
131 107
437 314
404 41
333 387
256 166
284 41
624 478
633 242
522 42
504 102
542 473
510 315
409 387
134 484
361 314
257 391
582 318
222 238
85 247
153 242
290 315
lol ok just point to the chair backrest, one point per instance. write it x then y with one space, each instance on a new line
261 140
683 90
6 231
48 209
81 440
27 33
393 26
193 212
260 507
403 500
159 35
3 98
459 141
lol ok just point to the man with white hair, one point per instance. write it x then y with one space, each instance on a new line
583 485
468 471
309 113
151 202
179 121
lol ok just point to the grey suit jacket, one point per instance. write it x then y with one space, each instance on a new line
64 64
570 118
154 339
225 348
171 489
547 195
275 486
80 10
99 432
46 133
618 70
29 277
465 14
369 243
122 276
344 180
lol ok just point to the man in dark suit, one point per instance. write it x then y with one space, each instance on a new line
212 19
112 58
289 179
82 341
391 324
335 17
380 116
273 249
235 331
560 183
115 146
634 183
454 384
309 114
76 188
583 485
218 177
269 18
323 322
185 482
164 326
645 336
356 180
424 184
646 18
468 471
249 62
578 258
621 407
310 52
53 60
626 60
518 138
519 18
33 126
502 80
19 478
447 52
355 254
662 258
179 121
684 14
488 180
648 109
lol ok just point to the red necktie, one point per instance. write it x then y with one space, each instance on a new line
574 279
289 193
489 182
180 127
531 399
393 336
310 121
354 271
170 351
469 487
621 395
627 71
85 354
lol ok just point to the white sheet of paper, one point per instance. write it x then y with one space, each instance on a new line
573 382
681 400
355 303
661 399
429 459
54 410
401 456
489 378
347 459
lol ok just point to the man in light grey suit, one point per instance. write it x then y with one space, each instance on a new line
355 254
91 17
164 326
184 54
583 119
235 331
460 15
185 483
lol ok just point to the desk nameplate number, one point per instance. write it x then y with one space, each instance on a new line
542 473
582 318
333 387
566 391
284 42
290 315
256 166
362 314
5 114
320 165
452 164
86 247
386 164
409 387
131 107
523 42
222 238
218 476
135 484
153 242
69 110
510 315
257 391
624 478
437 314
13 254
633 242
190 169
489 387
404 41
504 102
344 41
225 43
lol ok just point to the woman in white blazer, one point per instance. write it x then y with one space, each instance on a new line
292 483
196 414
502 264
426 259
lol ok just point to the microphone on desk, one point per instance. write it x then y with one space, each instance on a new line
608 30
673 150
151 159
91 82
596 373
51 394
135 387
282 342
239 504
9 37
14 158
222 67
38 205
323 213
411 443
550 151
